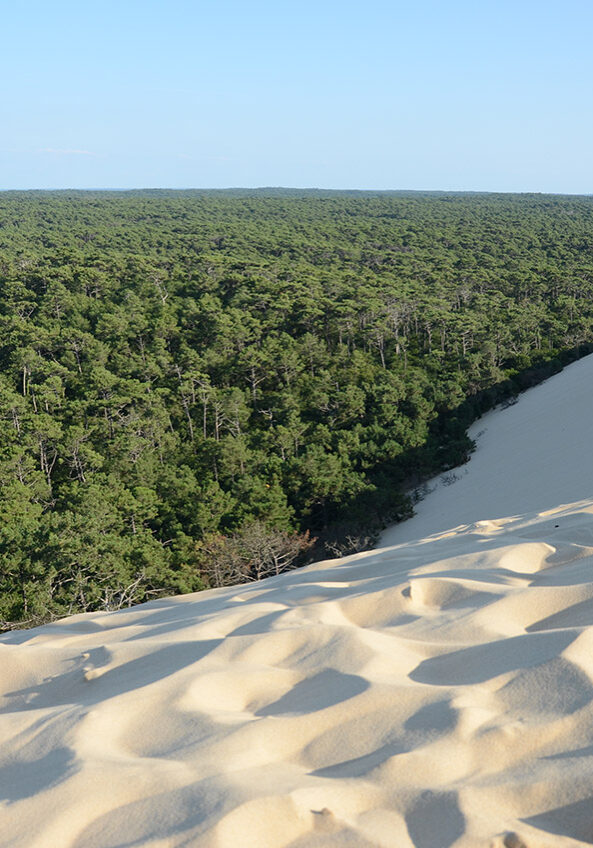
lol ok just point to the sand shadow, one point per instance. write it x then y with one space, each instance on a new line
566 755
484 662
316 693
435 820
161 817
19 780
576 615
360 766
438 717
73 688
262 624
572 820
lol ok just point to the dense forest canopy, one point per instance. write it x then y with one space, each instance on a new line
186 375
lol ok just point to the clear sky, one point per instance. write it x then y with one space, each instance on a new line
486 95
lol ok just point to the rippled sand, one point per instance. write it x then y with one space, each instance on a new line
437 693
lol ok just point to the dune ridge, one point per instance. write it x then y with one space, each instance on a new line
530 457
431 694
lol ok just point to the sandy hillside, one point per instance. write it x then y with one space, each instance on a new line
430 694
530 457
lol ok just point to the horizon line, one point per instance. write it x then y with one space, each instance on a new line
276 188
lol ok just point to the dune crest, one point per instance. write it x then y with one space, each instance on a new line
530 457
425 695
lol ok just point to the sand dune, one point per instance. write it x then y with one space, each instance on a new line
530 457
431 693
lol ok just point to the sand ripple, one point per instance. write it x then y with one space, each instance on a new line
427 695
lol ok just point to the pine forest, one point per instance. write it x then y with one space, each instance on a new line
199 388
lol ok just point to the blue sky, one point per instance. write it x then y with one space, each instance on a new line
454 95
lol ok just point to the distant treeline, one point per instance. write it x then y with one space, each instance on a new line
195 385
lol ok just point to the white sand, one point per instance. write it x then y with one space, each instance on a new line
530 457
436 693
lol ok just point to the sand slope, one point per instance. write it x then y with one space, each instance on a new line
530 457
433 694
428 694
